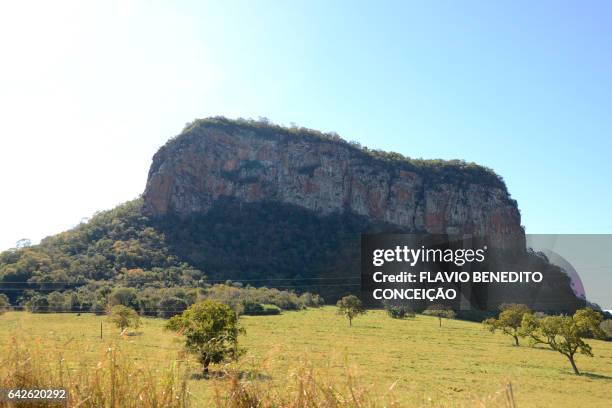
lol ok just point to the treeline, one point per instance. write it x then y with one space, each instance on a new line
163 302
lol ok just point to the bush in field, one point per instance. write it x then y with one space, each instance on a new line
509 321
440 312
171 306
123 296
606 326
57 302
124 317
351 307
211 332
271 310
565 334
398 311
311 300
37 304
228 295
250 307
5 304
99 307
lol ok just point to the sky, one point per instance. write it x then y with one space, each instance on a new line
90 90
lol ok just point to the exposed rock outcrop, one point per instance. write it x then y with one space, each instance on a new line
254 162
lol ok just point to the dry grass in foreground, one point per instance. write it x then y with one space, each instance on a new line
304 389
116 381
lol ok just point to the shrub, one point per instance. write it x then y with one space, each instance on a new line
606 326
171 306
127 297
37 304
228 295
5 304
308 299
250 307
399 311
99 307
271 309
57 302
124 317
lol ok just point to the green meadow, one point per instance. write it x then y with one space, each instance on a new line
413 362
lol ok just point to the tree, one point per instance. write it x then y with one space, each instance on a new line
123 296
250 307
606 326
211 332
351 307
37 304
57 302
171 306
565 334
124 317
509 321
439 311
23 243
5 303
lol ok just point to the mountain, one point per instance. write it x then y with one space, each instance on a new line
253 162
262 204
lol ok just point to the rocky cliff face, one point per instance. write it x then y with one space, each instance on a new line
217 158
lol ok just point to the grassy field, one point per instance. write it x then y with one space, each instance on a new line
412 361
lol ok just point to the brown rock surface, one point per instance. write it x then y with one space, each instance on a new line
216 158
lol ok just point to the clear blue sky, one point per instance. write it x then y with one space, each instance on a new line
91 89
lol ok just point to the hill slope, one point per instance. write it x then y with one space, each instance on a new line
265 205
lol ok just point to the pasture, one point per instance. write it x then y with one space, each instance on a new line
412 361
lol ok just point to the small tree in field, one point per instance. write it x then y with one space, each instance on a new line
565 334
124 317
440 312
351 307
211 332
509 321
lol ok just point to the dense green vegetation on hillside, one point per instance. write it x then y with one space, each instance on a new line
117 245
84 268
